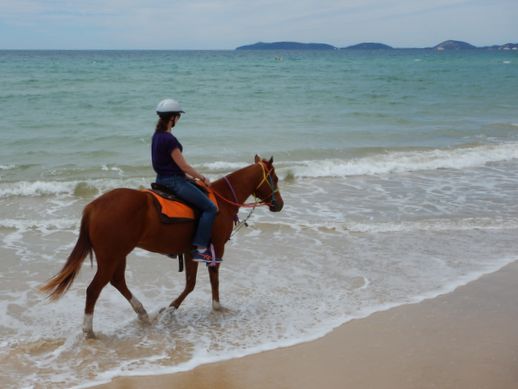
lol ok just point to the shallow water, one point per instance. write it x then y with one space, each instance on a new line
398 172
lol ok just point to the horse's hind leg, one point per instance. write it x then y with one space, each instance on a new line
119 282
103 275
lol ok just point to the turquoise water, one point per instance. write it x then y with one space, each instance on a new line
399 172
70 110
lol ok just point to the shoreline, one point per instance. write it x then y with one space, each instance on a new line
462 339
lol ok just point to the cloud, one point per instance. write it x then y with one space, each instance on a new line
209 24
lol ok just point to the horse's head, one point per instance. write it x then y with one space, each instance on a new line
268 189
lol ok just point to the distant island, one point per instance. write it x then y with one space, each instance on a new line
449 45
368 46
287 46
454 45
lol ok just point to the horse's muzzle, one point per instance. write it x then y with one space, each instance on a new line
277 206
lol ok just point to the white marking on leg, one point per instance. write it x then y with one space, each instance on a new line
139 309
137 305
88 326
216 305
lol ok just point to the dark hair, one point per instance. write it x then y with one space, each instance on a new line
161 125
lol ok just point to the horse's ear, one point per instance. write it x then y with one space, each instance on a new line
271 160
257 158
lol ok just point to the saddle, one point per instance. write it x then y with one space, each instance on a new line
171 208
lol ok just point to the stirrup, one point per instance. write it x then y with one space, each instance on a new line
214 262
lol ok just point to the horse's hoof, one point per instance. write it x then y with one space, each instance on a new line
165 315
89 335
217 307
144 318
168 311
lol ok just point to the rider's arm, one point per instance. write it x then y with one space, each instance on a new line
178 158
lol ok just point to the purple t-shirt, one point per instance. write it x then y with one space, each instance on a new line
162 144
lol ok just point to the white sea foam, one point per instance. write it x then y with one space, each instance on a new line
36 188
43 226
433 225
7 167
117 169
66 188
437 225
284 311
223 166
391 162
397 162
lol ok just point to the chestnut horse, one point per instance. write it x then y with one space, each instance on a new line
122 219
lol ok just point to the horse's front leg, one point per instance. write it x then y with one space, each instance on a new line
191 269
219 248
214 283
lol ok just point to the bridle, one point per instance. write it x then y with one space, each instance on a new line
267 177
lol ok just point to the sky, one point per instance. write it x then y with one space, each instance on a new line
226 24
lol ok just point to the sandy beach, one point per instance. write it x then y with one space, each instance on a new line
464 339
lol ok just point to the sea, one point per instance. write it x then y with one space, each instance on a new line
398 169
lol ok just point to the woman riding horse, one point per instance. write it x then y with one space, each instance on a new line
122 219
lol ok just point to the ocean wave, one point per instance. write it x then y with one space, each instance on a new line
224 166
379 163
66 188
436 225
432 225
7 167
117 169
36 188
43 226
406 161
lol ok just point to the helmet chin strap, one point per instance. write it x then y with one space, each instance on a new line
173 120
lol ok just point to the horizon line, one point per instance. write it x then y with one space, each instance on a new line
248 44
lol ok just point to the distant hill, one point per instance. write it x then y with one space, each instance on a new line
449 45
453 45
287 46
508 46
368 46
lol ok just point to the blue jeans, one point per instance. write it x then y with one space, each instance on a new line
190 193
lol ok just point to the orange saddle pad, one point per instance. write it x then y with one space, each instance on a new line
175 211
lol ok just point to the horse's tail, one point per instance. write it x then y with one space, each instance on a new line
60 283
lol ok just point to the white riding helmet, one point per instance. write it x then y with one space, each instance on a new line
167 107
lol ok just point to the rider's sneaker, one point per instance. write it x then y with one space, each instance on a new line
203 256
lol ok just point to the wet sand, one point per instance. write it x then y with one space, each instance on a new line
464 339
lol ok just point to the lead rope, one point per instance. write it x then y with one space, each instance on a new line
240 224
237 223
